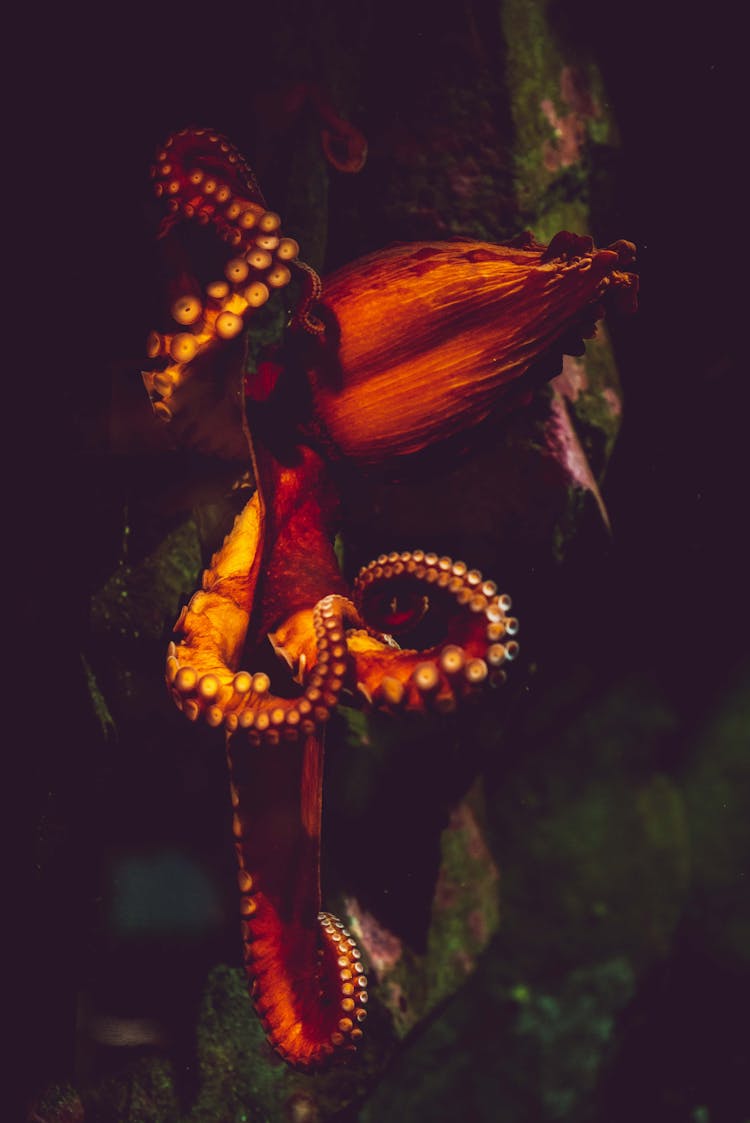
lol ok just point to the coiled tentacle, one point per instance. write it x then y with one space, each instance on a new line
305 971
474 633
204 685
202 177
393 593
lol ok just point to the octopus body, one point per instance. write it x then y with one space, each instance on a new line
405 349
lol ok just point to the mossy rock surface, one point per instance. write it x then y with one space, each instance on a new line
716 788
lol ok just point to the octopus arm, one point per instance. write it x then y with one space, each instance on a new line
307 979
304 968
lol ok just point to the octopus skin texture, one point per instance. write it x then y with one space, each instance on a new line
390 356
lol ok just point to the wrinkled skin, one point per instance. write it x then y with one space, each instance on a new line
389 357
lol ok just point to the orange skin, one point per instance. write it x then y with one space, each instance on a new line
408 348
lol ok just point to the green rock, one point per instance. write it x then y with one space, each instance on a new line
463 918
139 599
146 1093
559 115
594 850
716 789
510 1051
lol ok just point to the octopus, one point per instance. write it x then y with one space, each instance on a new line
397 353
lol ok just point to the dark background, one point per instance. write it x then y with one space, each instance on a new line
101 95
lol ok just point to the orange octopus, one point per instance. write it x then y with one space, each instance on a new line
400 350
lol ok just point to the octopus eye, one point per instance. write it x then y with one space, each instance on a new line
256 294
236 270
279 276
288 249
259 259
187 309
228 325
183 347
395 607
405 611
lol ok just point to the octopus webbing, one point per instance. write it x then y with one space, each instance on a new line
380 362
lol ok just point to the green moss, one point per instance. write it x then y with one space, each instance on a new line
98 703
570 1032
597 409
59 1103
242 1078
138 600
570 214
516 1051
609 844
147 1093
717 795
465 913
550 197
233 1055
534 64
464 917
569 521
